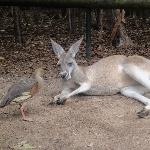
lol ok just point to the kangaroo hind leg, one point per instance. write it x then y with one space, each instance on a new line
138 74
137 93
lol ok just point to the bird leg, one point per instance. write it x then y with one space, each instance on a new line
22 109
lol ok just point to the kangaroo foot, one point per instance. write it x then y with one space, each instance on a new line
143 113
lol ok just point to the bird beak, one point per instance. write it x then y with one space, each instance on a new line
2 58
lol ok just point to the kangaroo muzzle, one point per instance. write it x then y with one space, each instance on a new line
63 75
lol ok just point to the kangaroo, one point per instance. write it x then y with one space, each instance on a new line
129 76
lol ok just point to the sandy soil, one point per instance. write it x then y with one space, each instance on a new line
83 123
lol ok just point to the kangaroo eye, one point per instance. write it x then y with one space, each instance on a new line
70 64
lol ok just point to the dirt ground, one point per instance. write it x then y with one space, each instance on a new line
84 122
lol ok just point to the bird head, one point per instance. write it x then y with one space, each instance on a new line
2 58
40 71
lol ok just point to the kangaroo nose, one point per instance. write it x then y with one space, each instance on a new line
63 75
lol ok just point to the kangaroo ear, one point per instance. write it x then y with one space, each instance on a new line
75 48
58 50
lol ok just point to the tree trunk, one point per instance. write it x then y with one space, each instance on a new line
119 35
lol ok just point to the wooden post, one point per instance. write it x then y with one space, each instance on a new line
88 33
71 19
17 29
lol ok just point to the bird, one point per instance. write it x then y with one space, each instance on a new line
22 90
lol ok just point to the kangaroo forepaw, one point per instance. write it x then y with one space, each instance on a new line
58 100
143 113
52 103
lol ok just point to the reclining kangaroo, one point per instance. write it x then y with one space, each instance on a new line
129 76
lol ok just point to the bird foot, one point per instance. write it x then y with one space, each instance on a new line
27 119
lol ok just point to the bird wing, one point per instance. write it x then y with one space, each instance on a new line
16 90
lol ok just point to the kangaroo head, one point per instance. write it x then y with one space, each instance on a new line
66 60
